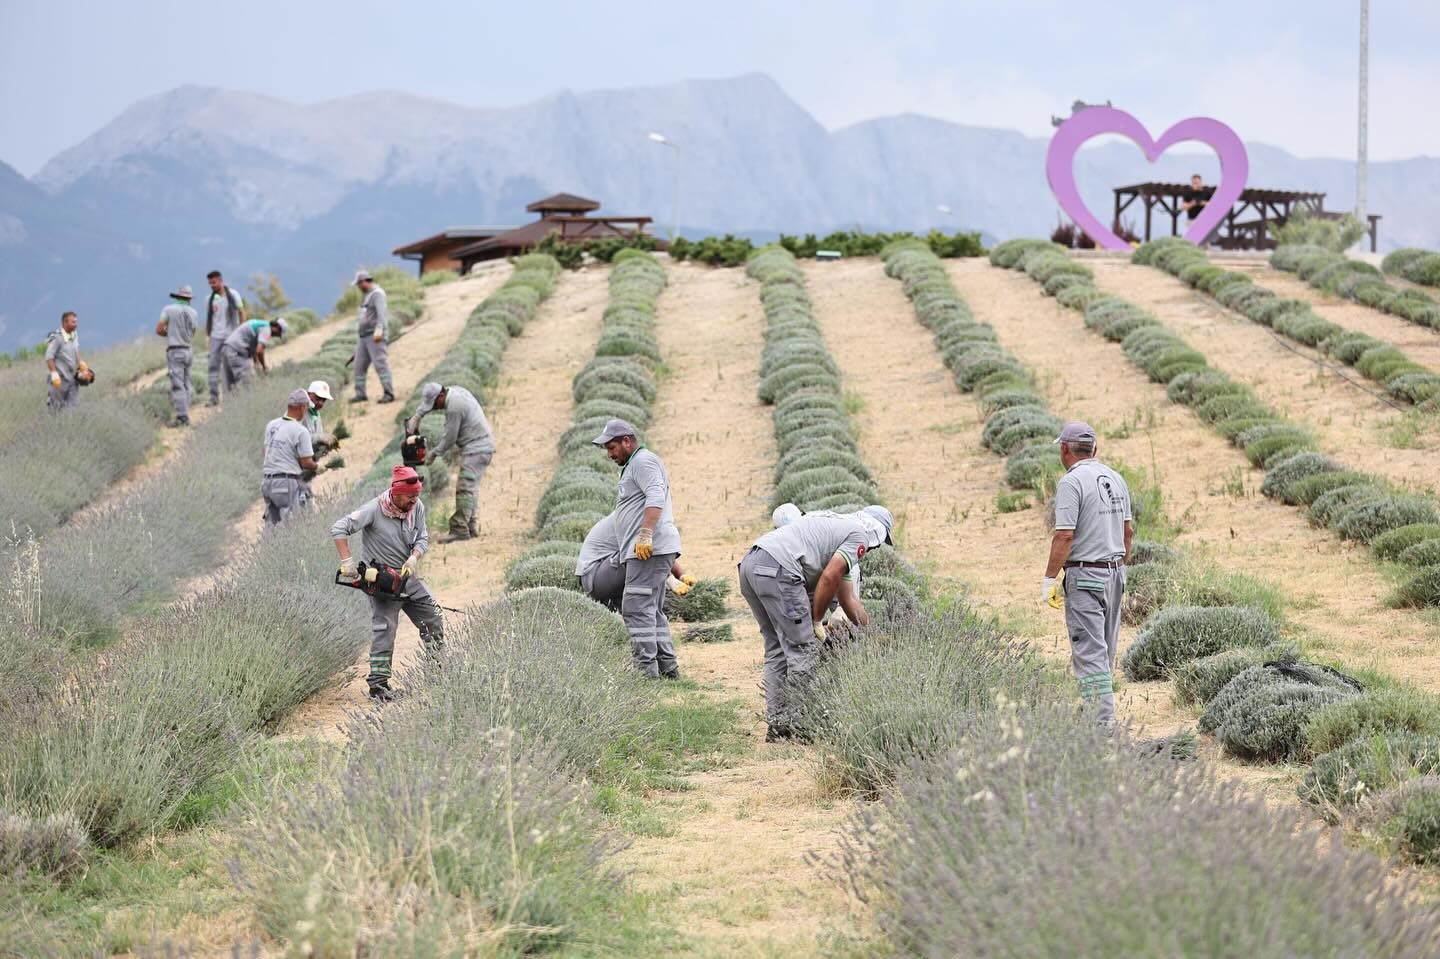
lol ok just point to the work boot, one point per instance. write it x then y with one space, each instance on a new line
473 528
382 694
456 536
182 421
359 398
673 674
388 398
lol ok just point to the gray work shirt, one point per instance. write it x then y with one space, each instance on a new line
644 484
387 540
287 441
65 351
465 424
372 312
248 336
313 423
222 312
180 324
602 545
1093 500
805 546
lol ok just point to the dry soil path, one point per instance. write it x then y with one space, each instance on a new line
1421 343
1349 424
529 410
732 874
921 437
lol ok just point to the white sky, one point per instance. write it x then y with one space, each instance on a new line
1278 71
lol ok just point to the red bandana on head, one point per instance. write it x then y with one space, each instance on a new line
403 480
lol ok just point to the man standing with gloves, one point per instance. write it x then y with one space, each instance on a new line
178 323
224 312
467 430
788 579
649 543
288 453
371 348
62 359
393 527
1094 528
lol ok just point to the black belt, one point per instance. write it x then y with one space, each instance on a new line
1105 564
169 348
282 475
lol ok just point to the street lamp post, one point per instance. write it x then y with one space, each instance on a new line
665 141
1362 149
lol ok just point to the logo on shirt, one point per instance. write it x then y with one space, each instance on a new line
860 551
1109 496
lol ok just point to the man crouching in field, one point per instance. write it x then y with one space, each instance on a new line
395 538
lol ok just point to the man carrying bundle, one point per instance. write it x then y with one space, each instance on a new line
62 359
1094 528
649 543
288 454
178 323
394 537
318 393
466 429
789 578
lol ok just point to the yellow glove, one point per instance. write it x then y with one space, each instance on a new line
645 544
349 567
681 589
82 367
408 569
378 335
689 580
1056 596
55 379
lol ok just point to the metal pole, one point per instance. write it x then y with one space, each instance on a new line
1363 146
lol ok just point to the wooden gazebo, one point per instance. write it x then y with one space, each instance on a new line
1269 210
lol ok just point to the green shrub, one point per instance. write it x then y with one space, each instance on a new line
1327 508
1375 712
709 633
1360 768
1148 587
1181 633
1033 467
1391 544
1425 553
1368 519
1267 723
1306 491
1420 590
556 570
1200 680
571 526
53 847
1287 471
704 602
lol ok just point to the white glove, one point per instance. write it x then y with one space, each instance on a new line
676 586
820 632
349 567
1046 585
378 335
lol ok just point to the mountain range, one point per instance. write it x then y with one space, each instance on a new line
202 178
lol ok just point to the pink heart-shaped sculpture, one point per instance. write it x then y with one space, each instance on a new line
1092 122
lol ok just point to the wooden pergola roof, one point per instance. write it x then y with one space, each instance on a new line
1247 195
563 203
448 237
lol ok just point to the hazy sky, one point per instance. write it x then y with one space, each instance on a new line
1279 71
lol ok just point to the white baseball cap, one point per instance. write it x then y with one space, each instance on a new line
321 389
785 514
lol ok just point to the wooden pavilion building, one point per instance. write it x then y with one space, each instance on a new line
564 214
1268 209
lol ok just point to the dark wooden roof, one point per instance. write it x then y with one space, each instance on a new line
1251 194
563 203
448 238
571 228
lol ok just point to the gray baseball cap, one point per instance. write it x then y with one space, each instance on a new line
284 324
1076 432
184 292
613 431
362 275
299 398
881 517
428 394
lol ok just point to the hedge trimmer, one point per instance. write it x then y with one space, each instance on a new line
382 581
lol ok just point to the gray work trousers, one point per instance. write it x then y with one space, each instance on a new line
643 609
66 396
216 372
781 606
420 607
472 469
606 585
368 353
178 360
1092 617
283 495
236 368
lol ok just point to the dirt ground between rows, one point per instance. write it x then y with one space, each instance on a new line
528 411
1349 423
921 437
733 873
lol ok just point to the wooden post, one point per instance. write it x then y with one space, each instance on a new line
1115 224
1149 205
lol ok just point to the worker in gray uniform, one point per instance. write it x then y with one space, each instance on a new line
467 430
62 359
1094 528
394 536
371 349
319 394
224 312
177 324
245 347
650 544
788 579
288 454
601 569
